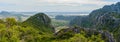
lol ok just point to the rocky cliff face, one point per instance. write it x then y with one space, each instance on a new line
40 21
106 18
105 35
107 21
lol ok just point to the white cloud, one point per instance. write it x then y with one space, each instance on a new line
59 2
97 2
48 5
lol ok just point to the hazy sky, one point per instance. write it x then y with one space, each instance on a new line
54 5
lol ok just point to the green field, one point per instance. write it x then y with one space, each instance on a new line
57 23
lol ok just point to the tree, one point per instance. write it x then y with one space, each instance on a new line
10 22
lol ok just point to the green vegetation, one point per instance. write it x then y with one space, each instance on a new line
13 31
106 18
36 29
39 21
32 30
82 38
116 34
71 36
58 23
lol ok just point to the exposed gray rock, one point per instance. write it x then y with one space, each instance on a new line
106 17
105 34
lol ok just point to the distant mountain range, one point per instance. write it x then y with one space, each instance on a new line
21 15
44 12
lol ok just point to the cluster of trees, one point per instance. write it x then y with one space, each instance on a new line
14 31
35 29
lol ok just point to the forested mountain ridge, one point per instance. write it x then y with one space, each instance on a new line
94 17
106 18
81 21
113 9
12 30
40 21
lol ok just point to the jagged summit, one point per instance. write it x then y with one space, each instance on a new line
40 18
118 3
111 8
